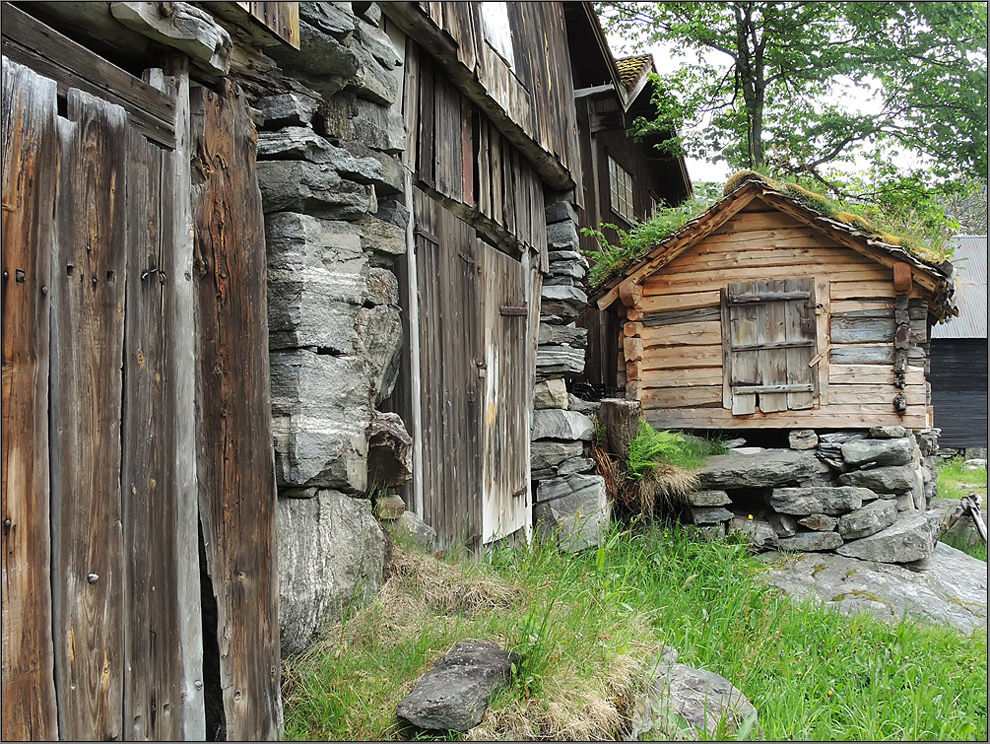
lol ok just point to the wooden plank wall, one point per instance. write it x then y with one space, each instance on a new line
959 390
677 370
461 156
88 296
537 93
29 179
235 459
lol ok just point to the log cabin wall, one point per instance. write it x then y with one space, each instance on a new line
676 349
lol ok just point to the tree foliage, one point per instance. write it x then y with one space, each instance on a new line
772 82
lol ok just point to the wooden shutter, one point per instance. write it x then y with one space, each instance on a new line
769 339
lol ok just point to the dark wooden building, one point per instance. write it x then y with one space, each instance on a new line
488 105
624 179
762 313
959 353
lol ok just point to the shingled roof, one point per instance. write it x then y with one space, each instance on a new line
935 277
632 69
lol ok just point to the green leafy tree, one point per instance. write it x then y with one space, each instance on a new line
772 82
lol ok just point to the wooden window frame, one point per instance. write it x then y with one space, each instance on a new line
617 175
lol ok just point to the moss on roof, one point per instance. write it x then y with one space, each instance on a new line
631 69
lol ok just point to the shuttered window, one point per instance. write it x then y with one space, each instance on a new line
769 342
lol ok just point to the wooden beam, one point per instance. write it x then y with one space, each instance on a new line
180 26
49 53
30 152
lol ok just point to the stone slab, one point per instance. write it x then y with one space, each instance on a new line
759 470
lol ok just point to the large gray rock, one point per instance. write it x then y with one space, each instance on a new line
805 542
559 360
286 110
378 342
576 465
317 279
551 393
681 702
708 498
950 589
454 694
885 480
382 236
560 212
574 508
889 432
325 58
759 532
321 409
300 186
708 514
302 143
572 269
546 454
566 425
819 522
910 538
412 529
389 451
564 302
345 117
331 554
372 81
563 334
816 500
760 470
868 520
879 451
802 439
562 236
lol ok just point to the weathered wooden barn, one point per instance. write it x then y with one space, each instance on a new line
488 106
624 178
959 353
763 313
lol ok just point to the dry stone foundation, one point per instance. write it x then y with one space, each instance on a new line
861 494
331 188
568 500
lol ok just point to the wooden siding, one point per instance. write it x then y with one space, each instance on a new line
460 156
676 368
476 393
529 103
281 18
235 458
99 394
29 182
959 390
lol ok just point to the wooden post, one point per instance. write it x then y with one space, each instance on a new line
30 150
235 459
619 418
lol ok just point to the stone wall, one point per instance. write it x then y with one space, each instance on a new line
862 494
331 186
567 496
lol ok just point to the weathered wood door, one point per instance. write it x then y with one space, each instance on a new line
474 379
102 383
769 335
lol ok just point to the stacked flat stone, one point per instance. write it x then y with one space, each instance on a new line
568 498
331 189
861 494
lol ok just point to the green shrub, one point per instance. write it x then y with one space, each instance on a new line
650 448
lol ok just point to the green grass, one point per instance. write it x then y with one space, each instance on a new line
588 626
954 482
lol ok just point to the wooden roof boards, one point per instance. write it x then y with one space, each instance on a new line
935 278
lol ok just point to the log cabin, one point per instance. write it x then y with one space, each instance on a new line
763 313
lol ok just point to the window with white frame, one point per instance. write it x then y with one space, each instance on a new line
620 191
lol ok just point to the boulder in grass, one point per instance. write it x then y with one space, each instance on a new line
910 538
454 694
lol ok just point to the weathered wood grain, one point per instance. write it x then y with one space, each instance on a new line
153 700
854 329
235 459
698 396
673 317
680 301
835 417
89 266
870 374
30 149
655 378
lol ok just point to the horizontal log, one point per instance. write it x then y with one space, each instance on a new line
872 355
749 297
770 255
830 417
773 345
656 378
870 374
706 396
701 281
673 317
846 290
874 394
683 357
747 221
680 301
691 334
846 329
